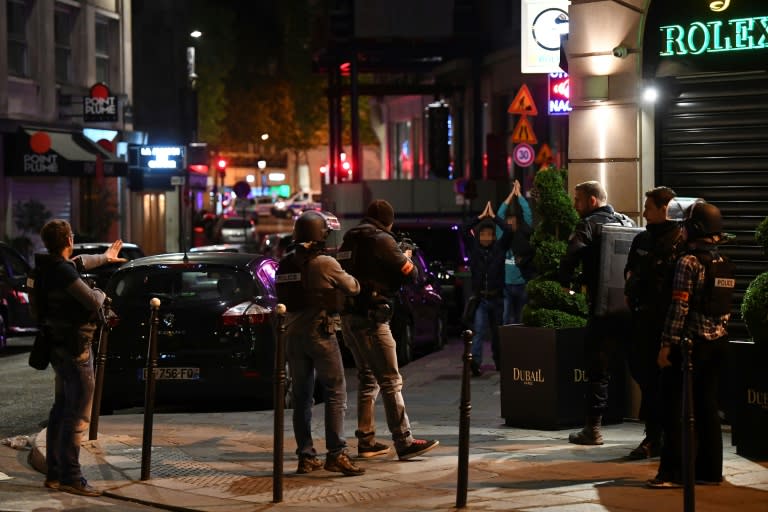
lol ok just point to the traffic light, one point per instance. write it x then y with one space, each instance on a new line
221 166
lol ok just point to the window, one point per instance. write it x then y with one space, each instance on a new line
18 47
63 23
105 30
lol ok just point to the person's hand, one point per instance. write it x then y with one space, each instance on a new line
113 251
662 360
487 212
408 253
516 189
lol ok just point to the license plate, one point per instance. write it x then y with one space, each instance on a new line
172 373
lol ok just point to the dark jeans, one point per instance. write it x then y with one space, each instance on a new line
601 346
709 362
515 297
487 321
313 354
70 415
642 352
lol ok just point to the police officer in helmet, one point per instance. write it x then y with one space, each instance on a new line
702 291
312 285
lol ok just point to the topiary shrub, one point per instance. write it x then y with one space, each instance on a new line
547 305
754 306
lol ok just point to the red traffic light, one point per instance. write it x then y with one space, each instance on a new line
221 166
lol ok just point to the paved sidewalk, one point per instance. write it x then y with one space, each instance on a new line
223 461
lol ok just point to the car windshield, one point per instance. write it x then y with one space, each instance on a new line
236 224
184 284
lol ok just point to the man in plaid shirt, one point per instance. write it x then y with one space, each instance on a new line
700 309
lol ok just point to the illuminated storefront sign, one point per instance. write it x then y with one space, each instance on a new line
161 157
559 88
543 22
715 36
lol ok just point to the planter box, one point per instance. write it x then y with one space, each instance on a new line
744 393
543 378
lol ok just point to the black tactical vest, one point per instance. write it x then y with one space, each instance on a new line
290 281
719 283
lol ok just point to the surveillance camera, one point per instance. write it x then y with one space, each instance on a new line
620 52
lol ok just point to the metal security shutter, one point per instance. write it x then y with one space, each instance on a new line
54 193
712 136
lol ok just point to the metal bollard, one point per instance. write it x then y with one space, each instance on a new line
465 407
149 389
279 405
101 361
689 426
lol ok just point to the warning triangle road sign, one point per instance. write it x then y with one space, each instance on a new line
523 103
524 132
544 156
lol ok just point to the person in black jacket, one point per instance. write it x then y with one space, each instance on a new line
648 289
486 264
371 254
591 203
70 321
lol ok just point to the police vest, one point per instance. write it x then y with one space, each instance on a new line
356 256
292 291
719 283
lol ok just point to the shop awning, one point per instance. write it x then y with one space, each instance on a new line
33 151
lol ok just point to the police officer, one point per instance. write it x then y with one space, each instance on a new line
312 286
702 290
648 289
591 203
371 253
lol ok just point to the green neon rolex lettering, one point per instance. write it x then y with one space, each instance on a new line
674 40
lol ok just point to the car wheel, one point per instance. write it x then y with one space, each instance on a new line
440 333
3 333
404 343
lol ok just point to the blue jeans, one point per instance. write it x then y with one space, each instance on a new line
374 351
70 415
313 354
487 320
515 297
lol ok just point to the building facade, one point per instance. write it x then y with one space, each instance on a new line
65 107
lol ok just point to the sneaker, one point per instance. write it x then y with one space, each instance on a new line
416 448
52 484
372 451
308 465
342 464
81 488
658 483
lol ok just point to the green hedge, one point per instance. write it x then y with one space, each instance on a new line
754 309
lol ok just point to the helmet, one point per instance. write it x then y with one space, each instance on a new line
703 219
314 226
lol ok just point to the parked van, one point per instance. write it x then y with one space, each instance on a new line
297 203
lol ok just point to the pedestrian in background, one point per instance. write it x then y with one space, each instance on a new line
518 261
648 289
313 286
69 315
591 203
702 293
371 254
486 264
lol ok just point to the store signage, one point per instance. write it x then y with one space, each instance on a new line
162 157
543 24
99 105
715 36
559 87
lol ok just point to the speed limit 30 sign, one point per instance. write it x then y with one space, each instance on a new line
523 155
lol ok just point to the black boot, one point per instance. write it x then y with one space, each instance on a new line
590 434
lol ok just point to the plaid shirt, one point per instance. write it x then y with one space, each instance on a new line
688 283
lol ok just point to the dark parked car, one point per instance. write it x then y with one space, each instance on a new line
443 244
419 319
215 339
100 275
14 299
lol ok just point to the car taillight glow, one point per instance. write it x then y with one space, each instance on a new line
245 313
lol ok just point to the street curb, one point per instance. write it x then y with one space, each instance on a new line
36 456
